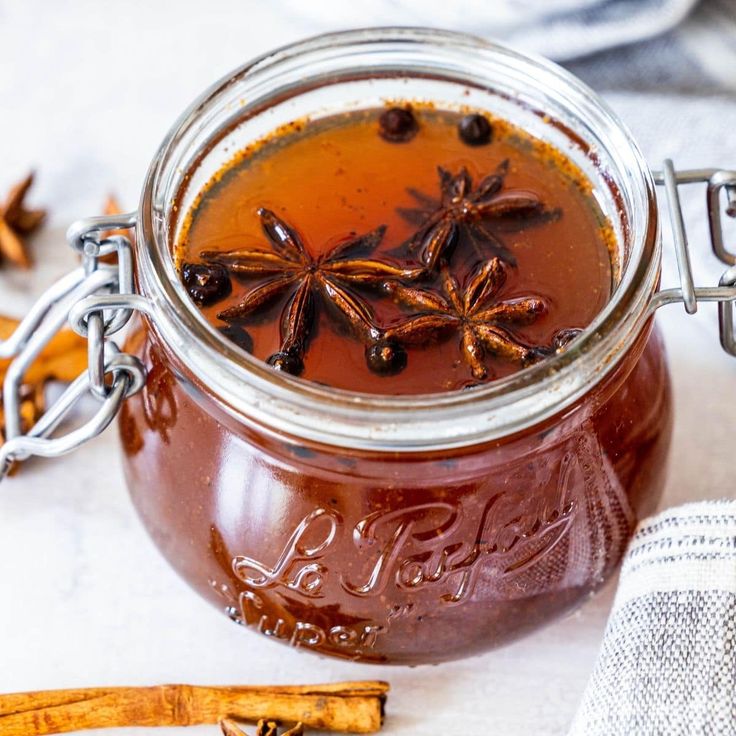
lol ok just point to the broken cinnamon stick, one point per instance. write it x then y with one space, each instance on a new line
63 359
353 707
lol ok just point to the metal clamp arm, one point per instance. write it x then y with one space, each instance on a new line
101 298
717 181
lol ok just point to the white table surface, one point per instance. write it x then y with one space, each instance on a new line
88 90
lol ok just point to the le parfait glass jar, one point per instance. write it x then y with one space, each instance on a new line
397 529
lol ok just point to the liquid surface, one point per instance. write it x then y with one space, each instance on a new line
547 264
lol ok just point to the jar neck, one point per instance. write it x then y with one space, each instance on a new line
252 392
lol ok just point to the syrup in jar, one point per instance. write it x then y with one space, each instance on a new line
398 251
409 250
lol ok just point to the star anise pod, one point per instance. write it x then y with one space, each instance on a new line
16 221
264 728
467 212
475 312
325 281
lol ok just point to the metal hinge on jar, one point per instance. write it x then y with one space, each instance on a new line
98 300
718 183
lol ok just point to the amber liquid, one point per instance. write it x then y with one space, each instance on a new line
338 177
386 556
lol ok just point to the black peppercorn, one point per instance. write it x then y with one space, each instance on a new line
287 362
398 125
206 282
475 130
386 358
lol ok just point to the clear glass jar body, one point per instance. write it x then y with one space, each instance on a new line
395 557
396 529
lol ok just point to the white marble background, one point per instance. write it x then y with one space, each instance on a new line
87 90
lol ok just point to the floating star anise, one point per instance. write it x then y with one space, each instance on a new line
325 280
466 212
481 319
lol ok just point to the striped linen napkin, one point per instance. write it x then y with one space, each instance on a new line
668 660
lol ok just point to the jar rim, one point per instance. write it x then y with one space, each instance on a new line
255 394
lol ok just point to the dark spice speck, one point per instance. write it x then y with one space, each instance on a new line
475 130
386 358
287 362
239 336
398 125
206 283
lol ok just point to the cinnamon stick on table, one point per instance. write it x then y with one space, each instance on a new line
354 707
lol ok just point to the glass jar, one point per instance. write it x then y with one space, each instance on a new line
407 529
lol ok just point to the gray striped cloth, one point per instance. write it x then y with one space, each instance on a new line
687 52
624 44
668 660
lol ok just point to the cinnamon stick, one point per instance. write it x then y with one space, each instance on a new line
354 707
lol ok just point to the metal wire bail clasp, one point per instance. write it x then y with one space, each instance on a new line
718 182
98 300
